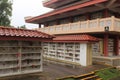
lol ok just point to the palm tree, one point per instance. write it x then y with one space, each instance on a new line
5 12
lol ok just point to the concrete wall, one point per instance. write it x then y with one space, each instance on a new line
70 53
20 57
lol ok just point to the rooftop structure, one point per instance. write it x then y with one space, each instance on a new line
87 7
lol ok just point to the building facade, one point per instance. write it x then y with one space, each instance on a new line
96 18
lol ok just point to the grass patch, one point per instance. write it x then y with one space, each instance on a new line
109 73
105 74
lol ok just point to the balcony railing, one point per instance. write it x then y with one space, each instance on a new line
97 25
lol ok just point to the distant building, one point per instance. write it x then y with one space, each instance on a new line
83 28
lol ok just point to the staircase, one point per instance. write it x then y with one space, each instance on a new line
88 76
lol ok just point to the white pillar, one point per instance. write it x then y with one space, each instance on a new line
83 54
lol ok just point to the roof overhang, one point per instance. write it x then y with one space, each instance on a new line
10 38
58 3
39 19
83 38
48 3
23 34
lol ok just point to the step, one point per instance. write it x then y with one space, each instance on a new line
90 78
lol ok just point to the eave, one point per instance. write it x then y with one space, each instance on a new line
22 34
83 38
63 10
49 2
58 3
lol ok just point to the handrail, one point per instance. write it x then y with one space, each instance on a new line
89 26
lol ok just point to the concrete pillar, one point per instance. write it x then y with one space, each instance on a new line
39 25
85 54
116 41
105 47
106 13
89 54
87 16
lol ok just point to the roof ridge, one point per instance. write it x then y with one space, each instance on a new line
8 31
24 30
76 37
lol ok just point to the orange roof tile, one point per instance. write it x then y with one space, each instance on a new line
63 10
14 32
83 37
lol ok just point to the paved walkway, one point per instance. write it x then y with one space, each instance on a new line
53 71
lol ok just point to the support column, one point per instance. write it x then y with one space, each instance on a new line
106 14
46 24
105 47
39 25
83 54
89 54
87 16
71 20
57 22
116 47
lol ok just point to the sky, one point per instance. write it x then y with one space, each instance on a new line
23 8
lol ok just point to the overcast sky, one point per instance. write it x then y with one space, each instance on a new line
23 8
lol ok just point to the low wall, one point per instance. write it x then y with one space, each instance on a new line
112 61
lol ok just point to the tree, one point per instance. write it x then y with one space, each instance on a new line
22 27
5 12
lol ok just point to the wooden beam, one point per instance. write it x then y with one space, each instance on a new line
114 5
115 9
72 13
50 2
100 5
60 11
110 3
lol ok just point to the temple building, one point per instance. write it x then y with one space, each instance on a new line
85 31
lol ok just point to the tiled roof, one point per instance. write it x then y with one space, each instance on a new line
14 32
82 37
63 10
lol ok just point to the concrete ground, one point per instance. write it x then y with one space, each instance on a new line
53 71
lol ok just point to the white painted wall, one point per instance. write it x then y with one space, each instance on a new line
83 54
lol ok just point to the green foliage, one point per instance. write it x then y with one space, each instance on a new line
5 12
105 74
108 74
22 27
